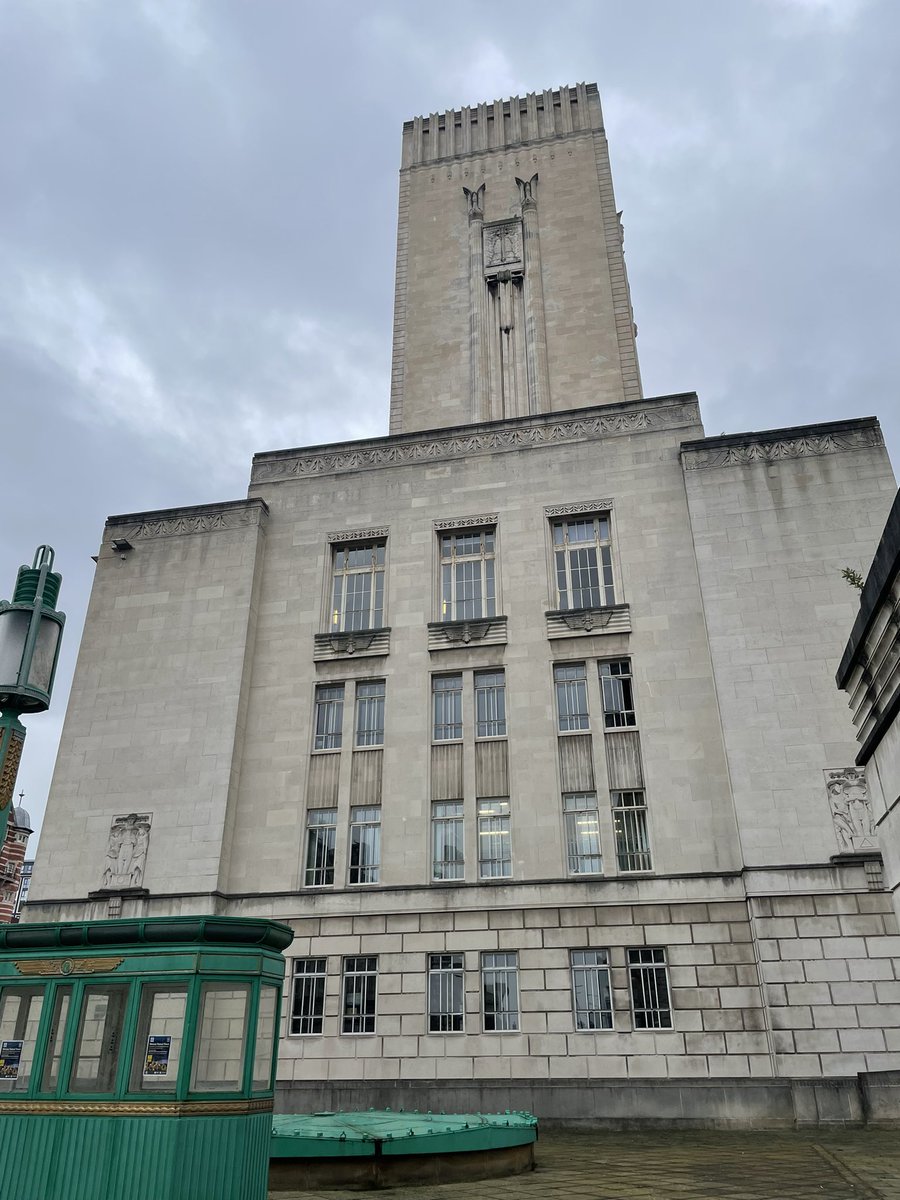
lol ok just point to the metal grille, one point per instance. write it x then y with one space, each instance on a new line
365 844
582 834
591 992
632 836
583 561
329 716
357 587
490 704
321 826
468 589
571 696
360 986
500 992
370 713
448 847
308 996
618 695
447 697
649 988
494 851
446 993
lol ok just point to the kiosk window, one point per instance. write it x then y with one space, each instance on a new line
157 1047
99 1038
265 1039
222 1040
61 1008
20 1012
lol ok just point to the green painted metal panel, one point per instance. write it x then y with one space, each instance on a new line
135 1158
366 1134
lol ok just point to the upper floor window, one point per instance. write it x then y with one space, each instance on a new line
447 841
329 716
447 701
370 713
618 695
582 554
468 588
490 704
357 587
321 826
571 696
365 844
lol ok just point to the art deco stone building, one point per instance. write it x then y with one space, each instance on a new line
523 716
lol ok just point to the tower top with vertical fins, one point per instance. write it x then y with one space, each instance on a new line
499 124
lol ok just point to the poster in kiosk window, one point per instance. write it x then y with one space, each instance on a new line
156 1061
10 1058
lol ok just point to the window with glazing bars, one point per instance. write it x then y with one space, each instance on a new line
365 844
494 850
618 696
629 811
307 996
359 994
467 575
571 696
447 701
329 716
446 993
582 833
649 984
591 992
490 704
321 825
370 713
448 847
500 992
357 587
582 556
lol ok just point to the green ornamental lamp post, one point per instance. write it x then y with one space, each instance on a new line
30 637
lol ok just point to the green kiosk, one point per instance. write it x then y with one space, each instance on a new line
137 1058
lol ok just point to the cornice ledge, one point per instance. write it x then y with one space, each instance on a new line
199 518
489 437
775 445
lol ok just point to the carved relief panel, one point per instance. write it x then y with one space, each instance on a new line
503 247
851 812
126 851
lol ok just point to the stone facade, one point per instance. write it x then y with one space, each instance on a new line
522 719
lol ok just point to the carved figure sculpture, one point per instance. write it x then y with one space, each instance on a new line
126 851
851 813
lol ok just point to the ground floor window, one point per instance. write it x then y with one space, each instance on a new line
446 993
648 979
500 992
359 993
307 996
591 992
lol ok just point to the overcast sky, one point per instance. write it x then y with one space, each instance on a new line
197 222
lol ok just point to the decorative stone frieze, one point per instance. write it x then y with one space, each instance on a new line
240 514
581 506
479 522
759 448
360 643
613 618
359 535
455 635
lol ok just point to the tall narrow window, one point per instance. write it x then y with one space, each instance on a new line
571 696
447 696
618 698
365 844
582 833
591 992
20 1015
321 825
467 575
359 992
490 704
583 561
500 992
307 996
446 995
448 854
329 716
357 591
494 851
632 836
370 713
649 984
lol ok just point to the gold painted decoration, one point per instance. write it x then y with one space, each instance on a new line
45 967
10 768
136 1108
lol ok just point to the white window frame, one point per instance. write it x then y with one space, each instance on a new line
439 820
506 971
365 830
567 571
616 690
439 728
345 580
316 825
631 829
591 979
368 723
474 570
566 684
649 965
311 984
328 716
446 970
493 831
490 703
369 974
575 807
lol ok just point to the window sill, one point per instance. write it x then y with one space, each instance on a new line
457 635
359 643
579 622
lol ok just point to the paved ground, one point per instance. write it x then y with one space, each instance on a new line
852 1165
